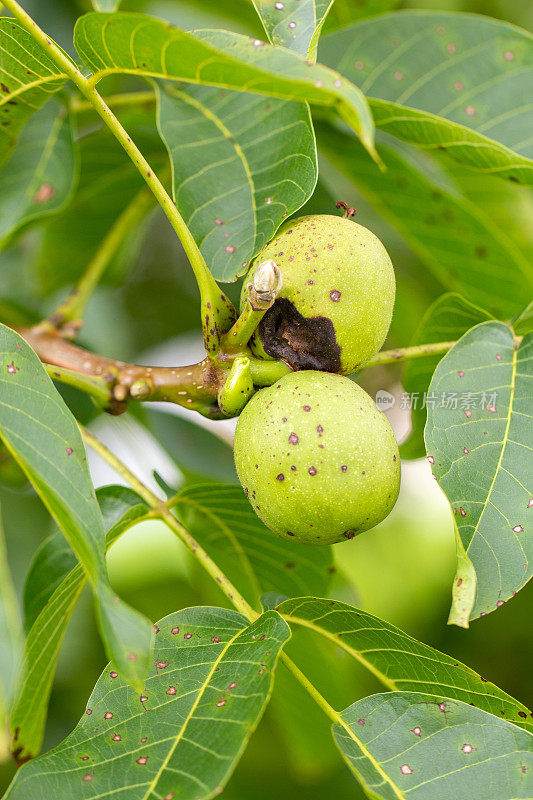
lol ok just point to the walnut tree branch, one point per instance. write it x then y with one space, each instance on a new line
195 386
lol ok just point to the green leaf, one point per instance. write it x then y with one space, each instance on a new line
204 696
410 745
54 559
397 660
459 82
53 586
294 24
462 245
222 520
346 11
241 164
140 45
446 320
523 321
10 643
39 177
108 182
28 77
41 433
480 455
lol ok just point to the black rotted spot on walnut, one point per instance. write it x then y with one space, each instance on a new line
302 342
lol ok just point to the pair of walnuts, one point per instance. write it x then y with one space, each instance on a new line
317 460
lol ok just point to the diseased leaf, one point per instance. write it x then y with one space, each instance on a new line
141 45
410 745
204 696
41 433
446 320
480 452
56 581
10 644
462 245
455 81
39 177
222 520
399 661
241 163
28 77
294 24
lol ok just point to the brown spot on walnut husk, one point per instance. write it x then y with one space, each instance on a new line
302 342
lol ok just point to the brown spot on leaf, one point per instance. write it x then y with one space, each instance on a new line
44 193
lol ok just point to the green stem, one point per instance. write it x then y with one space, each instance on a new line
74 306
95 387
338 719
265 373
408 353
236 339
207 284
262 293
126 99
312 690
161 510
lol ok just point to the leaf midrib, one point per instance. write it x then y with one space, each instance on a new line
505 438
183 728
377 766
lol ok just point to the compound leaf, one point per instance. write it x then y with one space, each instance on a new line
204 696
408 745
54 559
41 433
459 82
141 45
397 660
480 452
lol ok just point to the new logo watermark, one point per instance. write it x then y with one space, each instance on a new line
384 400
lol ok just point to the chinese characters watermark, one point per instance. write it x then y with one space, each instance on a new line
464 401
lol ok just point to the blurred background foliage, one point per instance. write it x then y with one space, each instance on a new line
147 310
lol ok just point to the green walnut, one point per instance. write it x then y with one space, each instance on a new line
335 306
317 460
